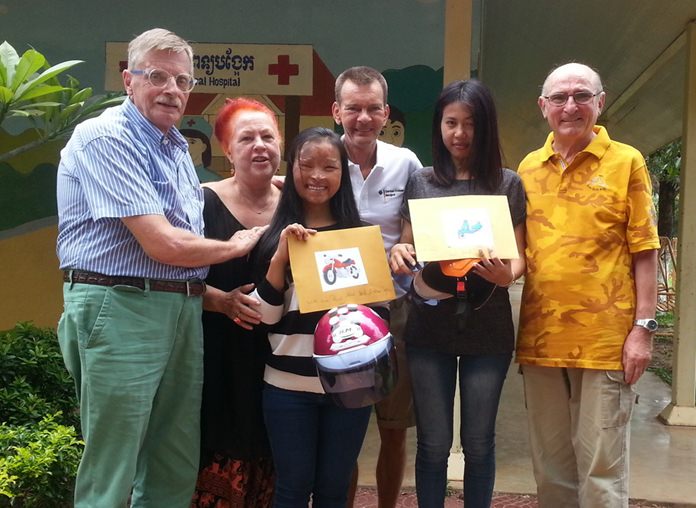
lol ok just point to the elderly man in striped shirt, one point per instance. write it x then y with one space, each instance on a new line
131 247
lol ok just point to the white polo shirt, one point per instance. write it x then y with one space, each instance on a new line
379 196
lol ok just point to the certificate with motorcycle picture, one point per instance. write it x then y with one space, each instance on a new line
339 267
459 227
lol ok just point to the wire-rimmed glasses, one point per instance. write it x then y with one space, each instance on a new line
582 97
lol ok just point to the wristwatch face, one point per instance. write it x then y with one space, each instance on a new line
648 324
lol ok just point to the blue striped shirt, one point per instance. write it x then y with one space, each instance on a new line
120 165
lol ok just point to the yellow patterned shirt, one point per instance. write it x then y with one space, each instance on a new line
584 222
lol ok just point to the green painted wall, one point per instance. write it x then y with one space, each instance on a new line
401 38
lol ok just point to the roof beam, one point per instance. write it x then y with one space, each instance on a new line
612 113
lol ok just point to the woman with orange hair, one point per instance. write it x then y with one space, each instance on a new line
236 467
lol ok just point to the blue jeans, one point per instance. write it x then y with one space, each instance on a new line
481 378
315 445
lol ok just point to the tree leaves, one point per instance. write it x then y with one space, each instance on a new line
32 90
665 163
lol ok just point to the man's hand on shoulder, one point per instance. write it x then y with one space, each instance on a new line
175 246
246 239
278 181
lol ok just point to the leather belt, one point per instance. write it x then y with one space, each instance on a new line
191 287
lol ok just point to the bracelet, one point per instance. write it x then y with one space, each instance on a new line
512 281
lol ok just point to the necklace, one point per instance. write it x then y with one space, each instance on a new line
251 201
250 204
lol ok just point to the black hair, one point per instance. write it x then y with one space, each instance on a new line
206 156
290 207
486 158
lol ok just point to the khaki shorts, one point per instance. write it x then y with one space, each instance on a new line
396 410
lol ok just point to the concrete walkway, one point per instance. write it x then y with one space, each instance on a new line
367 498
663 459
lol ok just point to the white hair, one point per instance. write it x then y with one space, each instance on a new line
156 39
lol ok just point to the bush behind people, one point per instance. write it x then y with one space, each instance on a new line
40 447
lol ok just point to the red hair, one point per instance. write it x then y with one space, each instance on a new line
224 123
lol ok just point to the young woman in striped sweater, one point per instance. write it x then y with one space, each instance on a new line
314 442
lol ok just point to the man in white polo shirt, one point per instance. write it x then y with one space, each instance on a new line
379 172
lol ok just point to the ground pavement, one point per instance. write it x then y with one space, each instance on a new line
367 498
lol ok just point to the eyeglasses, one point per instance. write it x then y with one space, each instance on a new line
159 78
559 99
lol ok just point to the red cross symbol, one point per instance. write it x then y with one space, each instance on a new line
283 69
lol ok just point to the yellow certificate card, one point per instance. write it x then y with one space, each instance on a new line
338 267
460 227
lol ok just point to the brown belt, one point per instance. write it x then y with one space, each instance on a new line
191 287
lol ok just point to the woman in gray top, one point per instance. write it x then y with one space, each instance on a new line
470 330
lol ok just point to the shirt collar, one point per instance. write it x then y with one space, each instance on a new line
597 147
379 156
379 150
148 129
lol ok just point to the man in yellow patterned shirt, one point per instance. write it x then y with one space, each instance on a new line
588 306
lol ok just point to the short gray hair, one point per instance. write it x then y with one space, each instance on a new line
156 39
361 75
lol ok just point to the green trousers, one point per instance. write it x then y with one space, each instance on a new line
137 360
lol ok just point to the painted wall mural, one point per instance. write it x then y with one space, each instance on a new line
286 56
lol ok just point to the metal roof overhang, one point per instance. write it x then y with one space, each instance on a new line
637 46
645 53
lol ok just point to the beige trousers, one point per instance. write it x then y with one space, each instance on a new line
579 435
396 410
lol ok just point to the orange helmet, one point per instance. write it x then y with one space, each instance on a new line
458 267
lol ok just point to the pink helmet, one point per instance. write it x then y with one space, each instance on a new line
354 355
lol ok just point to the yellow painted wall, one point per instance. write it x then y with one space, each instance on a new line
31 288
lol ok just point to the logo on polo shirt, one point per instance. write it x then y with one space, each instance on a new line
597 183
390 193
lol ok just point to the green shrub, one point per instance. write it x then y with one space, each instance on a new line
33 379
38 463
39 446
665 319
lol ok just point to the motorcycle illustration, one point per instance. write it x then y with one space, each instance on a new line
468 229
338 267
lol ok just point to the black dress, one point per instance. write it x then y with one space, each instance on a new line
236 467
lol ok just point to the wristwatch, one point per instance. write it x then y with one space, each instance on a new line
649 324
